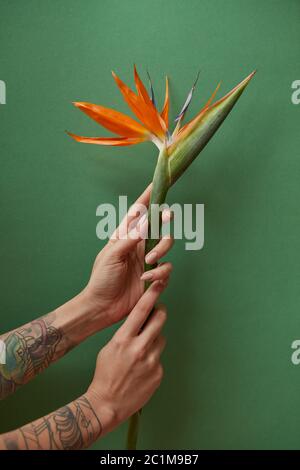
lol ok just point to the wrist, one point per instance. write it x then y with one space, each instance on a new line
80 317
98 309
104 410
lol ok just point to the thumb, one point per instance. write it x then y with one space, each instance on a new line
128 241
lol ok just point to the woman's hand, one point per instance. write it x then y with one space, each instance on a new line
128 369
117 279
115 286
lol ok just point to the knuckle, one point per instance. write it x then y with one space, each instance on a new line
162 313
151 361
119 341
139 352
114 251
163 316
165 268
169 266
164 281
117 337
159 374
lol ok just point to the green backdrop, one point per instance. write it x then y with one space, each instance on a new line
233 306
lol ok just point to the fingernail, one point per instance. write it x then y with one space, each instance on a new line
143 219
151 257
147 276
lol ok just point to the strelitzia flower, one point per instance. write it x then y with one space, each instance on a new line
154 124
177 149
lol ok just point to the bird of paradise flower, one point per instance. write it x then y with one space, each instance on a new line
177 150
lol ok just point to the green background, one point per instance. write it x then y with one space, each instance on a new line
233 306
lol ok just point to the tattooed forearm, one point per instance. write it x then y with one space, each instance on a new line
29 350
33 347
73 427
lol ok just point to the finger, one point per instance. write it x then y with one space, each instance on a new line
138 316
138 208
165 281
144 198
125 244
131 220
161 273
156 349
166 216
160 250
154 325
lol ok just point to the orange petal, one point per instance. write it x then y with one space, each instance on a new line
113 120
165 111
137 105
156 121
141 89
114 141
129 96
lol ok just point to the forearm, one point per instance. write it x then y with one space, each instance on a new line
72 427
33 347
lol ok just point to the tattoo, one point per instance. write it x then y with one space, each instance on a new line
11 444
29 350
72 427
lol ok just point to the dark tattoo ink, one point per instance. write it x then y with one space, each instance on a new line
29 350
72 427
11 444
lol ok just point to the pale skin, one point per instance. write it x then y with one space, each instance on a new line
128 369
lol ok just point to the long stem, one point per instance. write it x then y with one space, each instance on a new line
133 430
169 169
161 184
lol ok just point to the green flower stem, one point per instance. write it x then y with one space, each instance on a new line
133 430
170 167
161 184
